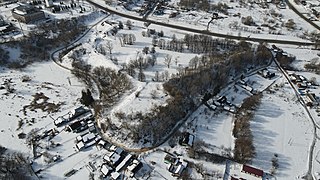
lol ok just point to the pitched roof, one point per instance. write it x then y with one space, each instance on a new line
252 170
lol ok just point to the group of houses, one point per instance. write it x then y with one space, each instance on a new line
5 27
79 120
176 166
304 86
244 84
266 73
119 163
221 102
78 114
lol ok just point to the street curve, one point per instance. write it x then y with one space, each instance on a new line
204 32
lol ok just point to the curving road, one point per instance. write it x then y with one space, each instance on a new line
57 60
192 30
204 32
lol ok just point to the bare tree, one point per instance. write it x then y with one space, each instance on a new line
176 60
157 76
153 94
129 24
167 60
33 141
141 75
166 75
109 47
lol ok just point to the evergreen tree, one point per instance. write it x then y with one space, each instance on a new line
86 98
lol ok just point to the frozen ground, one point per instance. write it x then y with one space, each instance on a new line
281 127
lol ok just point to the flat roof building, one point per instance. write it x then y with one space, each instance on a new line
27 14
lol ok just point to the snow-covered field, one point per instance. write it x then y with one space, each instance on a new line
280 125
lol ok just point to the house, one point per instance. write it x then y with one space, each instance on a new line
86 137
79 111
232 109
266 73
116 149
113 158
124 163
61 120
252 171
295 78
170 159
115 175
80 145
213 107
77 126
222 99
302 85
134 167
242 82
27 14
187 139
91 127
178 169
102 144
312 99
105 170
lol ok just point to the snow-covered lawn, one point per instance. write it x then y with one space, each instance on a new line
281 127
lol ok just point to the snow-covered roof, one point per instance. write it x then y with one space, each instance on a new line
114 158
88 137
80 145
179 169
190 141
105 169
134 164
115 175
123 162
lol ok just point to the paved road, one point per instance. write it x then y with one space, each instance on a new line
57 60
204 32
301 15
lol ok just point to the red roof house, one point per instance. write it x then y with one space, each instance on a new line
252 171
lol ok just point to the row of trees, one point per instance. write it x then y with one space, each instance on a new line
204 5
129 39
244 150
197 44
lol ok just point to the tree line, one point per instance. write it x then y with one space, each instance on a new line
197 44
244 150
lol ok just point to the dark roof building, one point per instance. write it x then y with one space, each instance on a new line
27 13
252 171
